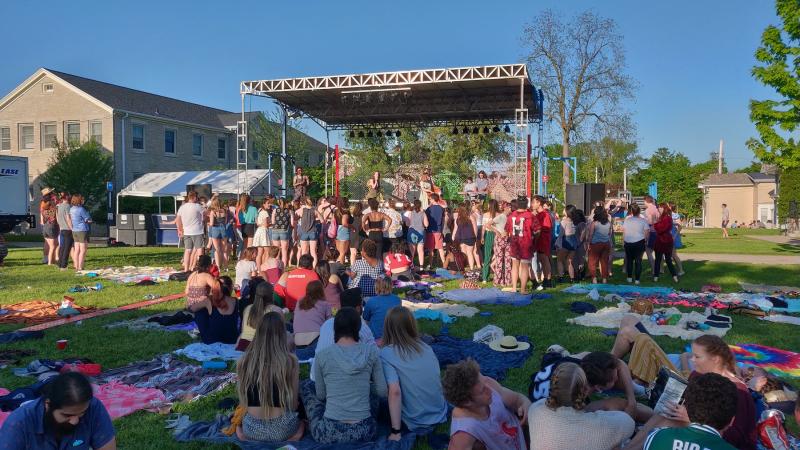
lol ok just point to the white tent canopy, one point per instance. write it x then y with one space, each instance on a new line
173 184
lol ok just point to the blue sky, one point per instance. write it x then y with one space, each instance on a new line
692 59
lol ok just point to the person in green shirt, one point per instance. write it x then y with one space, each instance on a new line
710 401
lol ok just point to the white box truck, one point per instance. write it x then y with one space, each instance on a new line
14 193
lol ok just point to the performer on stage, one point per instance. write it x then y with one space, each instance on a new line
426 188
374 187
300 184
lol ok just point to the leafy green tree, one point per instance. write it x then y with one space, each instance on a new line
83 169
266 133
677 179
788 192
779 68
754 167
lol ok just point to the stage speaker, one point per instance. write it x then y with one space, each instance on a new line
575 195
594 193
584 195
203 190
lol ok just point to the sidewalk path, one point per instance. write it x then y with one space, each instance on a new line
778 260
781 239
773 260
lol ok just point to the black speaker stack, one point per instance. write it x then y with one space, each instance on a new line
133 229
585 195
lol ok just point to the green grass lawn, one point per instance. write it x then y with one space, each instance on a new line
23 278
742 241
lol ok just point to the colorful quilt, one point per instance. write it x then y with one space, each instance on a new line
778 362
130 274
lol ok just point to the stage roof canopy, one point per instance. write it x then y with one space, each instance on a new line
173 184
482 95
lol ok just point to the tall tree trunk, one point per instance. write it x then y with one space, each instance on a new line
565 175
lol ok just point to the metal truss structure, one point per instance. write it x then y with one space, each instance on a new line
482 96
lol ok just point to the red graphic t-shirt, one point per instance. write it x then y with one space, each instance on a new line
522 225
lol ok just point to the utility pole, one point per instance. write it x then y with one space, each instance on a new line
720 157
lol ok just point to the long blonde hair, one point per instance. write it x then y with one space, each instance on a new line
568 387
268 365
400 330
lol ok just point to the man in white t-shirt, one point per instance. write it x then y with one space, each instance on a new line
189 221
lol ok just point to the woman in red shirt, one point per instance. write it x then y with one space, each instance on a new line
664 243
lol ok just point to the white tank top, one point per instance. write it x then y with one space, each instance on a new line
501 431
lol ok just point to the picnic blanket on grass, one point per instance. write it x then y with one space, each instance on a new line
487 296
768 288
148 323
130 274
178 380
454 310
122 399
36 311
611 317
782 363
185 431
207 352
780 318
621 289
450 350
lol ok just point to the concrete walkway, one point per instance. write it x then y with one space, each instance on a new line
773 260
780 239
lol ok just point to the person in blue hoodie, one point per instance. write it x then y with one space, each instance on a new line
376 307
346 375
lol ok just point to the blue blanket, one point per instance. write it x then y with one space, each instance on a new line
620 289
430 314
186 431
450 350
487 296
446 275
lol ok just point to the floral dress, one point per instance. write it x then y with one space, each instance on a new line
501 254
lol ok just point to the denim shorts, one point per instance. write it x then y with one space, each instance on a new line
414 237
309 235
342 233
280 235
217 232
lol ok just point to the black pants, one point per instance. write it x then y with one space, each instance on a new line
64 249
377 238
633 258
668 258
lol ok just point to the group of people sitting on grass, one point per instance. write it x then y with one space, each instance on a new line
371 363
369 359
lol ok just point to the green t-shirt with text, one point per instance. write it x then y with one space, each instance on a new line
693 437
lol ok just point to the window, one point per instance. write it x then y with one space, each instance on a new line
137 130
26 136
48 135
72 131
5 138
169 142
96 132
197 144
222 151
254 154
47 88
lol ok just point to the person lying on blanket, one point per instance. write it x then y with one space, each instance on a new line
269 377
67 416
710 354
603 371
486 414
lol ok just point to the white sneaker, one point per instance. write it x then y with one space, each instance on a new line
680 274
630 280
540 288
636 282
655 279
